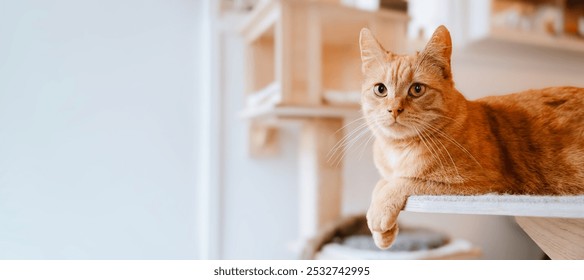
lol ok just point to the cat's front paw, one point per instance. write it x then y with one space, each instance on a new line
383 226
384 240
386 203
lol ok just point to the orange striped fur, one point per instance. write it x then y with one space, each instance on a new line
430 140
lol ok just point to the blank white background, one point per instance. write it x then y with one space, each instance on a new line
97 129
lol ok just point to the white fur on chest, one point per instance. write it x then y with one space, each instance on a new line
397 157
401 162
398 161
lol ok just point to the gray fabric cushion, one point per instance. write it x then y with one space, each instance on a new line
406 240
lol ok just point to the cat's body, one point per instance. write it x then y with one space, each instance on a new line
523 143
431 140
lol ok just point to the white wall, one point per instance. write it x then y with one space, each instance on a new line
259 197
97 129
490 67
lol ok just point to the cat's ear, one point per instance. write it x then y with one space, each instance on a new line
371 51
439 49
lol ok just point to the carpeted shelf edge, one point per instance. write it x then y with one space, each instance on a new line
493 204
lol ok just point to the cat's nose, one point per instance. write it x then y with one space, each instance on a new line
395 111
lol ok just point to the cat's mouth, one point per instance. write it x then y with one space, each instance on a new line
395 124
394 127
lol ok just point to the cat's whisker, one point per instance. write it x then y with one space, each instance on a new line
449 155
346 142
451 159
347 148
436 146
434 155
345 138
457 144
365 146
449 138
337 153
431 148
361 145
352 122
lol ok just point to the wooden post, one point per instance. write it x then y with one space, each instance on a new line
301 53
320 180
559 238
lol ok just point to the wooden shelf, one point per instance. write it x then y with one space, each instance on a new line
299 112
507 205
265 103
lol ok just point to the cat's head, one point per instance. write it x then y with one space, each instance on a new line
405 95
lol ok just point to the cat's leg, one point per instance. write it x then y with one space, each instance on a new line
387 200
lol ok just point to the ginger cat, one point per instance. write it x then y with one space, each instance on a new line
430 140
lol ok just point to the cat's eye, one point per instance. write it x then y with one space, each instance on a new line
380 90
417 90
